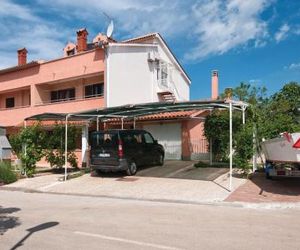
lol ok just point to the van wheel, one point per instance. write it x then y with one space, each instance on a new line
132 168
268 176
99 172
160 161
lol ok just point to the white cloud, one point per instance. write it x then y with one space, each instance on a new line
21 27
282 33
206 27
9 8
132 17
225 25
293 66
215 26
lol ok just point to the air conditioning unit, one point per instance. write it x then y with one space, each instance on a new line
153 56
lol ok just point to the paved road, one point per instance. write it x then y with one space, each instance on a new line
48 221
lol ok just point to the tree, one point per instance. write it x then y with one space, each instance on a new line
281 112
216 130
268 117
29 145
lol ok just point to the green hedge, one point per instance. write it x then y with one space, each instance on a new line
7 175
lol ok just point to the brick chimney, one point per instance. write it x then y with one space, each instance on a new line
82 40
214 85
22 56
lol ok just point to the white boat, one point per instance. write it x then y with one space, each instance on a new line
283 149
282 155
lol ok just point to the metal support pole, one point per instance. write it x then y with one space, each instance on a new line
254 150
66 147
133 122
244 117
25 149
122 119
210 152
97 123
230 146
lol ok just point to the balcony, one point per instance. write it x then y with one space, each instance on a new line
15 116
16 99
72 101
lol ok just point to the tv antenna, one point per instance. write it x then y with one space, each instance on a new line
110 27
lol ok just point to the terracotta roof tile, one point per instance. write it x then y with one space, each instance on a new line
169 115
164 116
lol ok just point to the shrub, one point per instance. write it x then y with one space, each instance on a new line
7 175
244 148
201 164
55 148
28 144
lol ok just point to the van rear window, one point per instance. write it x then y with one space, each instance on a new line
104 139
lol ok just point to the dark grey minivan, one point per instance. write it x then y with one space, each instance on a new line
124 150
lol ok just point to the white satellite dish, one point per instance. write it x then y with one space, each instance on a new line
110 29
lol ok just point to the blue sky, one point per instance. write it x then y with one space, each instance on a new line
255 41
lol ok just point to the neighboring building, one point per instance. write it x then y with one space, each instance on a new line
5 147
103 73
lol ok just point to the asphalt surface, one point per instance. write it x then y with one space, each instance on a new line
48 221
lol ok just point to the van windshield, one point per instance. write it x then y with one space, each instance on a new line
104 139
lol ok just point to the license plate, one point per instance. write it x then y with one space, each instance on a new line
280 172
104 155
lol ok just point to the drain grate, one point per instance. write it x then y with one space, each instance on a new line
127 179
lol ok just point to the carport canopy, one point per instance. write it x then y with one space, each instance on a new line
133 111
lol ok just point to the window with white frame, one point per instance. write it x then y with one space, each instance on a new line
162 72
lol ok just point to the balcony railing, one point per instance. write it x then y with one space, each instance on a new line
67 100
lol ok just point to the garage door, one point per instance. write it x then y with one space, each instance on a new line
169 135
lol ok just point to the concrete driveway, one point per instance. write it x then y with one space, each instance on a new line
131 187
176 169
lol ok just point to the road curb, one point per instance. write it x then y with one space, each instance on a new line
246 205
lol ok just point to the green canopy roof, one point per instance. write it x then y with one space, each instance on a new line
136 110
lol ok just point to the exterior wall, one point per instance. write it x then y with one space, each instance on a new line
73 71
129 76
132 79
79 65
198 145
182 85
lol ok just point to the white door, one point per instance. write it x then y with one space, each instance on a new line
169 135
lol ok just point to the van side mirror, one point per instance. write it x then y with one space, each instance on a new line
155 142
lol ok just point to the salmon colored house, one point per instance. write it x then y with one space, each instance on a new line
107 73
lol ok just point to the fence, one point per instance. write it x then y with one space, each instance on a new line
199 149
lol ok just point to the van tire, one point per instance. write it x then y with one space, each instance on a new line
132 168
268 176
160 161
99 172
